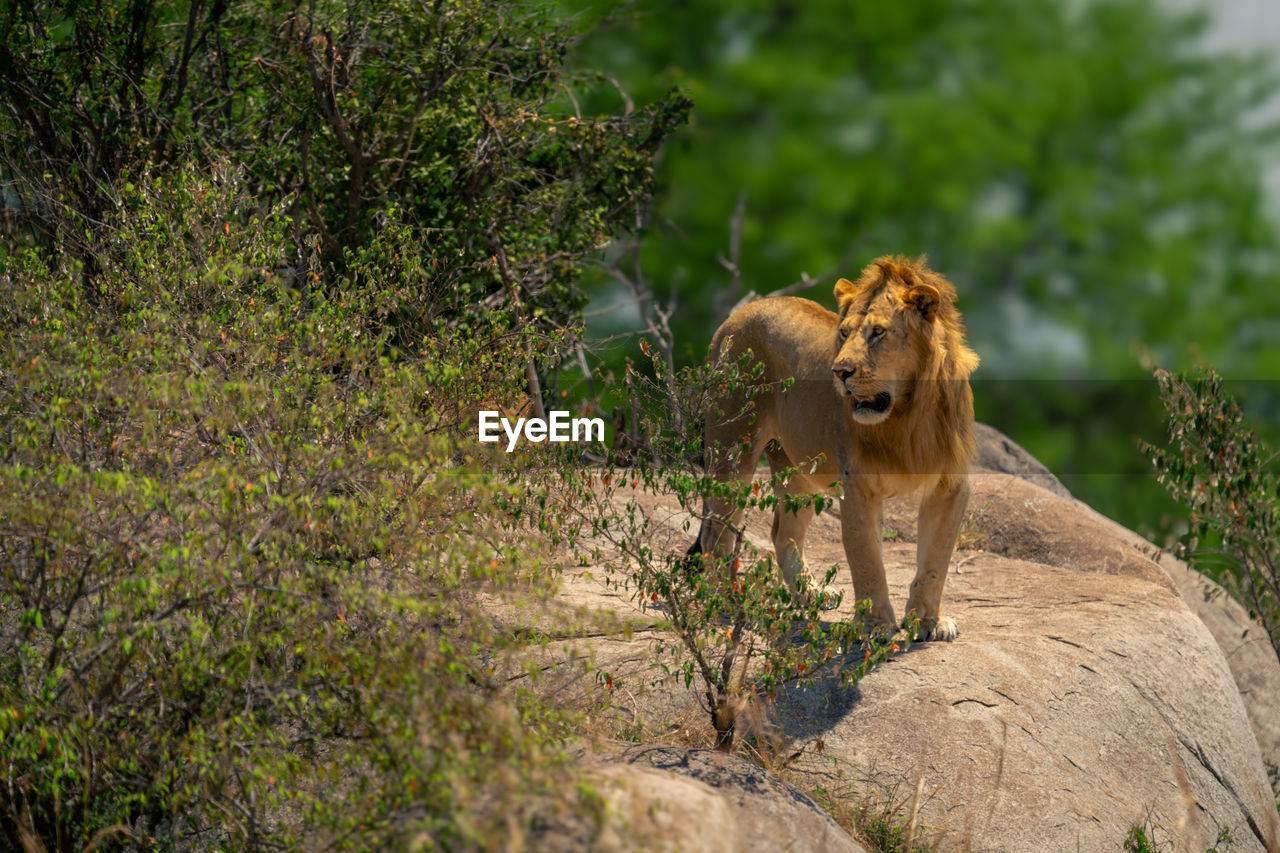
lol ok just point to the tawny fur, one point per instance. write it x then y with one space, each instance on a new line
880 406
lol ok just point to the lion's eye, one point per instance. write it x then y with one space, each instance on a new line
876 331
843 332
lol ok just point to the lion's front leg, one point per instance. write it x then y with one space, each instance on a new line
860 530
939 522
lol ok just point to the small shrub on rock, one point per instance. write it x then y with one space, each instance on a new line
737 632
1224 475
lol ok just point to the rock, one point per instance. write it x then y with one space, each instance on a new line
1249 653
1015 518
1243 641
1018 528
677 798
997 452
1082 698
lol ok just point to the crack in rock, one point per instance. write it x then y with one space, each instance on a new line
1196 750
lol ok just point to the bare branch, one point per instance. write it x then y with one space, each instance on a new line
513 294
733 263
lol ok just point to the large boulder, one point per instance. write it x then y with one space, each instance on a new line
1084 697
676 798
997 452
1249 653
1018 523
1243 641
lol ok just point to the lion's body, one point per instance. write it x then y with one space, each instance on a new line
880 402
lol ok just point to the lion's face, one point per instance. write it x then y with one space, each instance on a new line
881 338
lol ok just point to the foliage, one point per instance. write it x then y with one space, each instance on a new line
1217 467
1142 839
882 829
1088 174
738 631
356 114
886 822
241 553
1089 157
243 548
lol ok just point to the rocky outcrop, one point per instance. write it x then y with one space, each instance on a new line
1248 652
1018 523
1076 704
1243 641
676 798
997 452
1085 695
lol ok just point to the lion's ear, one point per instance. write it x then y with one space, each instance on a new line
845 291
925 298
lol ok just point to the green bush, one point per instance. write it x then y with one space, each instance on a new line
1217 467
737 633
1143 839
242 549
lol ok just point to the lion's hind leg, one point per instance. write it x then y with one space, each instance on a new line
732 458
790 527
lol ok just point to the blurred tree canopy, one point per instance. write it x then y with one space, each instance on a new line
1088 176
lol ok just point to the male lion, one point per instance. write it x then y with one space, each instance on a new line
881 397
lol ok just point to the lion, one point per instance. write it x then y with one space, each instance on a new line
880 406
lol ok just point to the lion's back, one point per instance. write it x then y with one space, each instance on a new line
792 336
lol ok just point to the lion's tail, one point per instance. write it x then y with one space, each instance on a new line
696 548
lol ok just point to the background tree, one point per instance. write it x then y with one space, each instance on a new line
1089 178
442 116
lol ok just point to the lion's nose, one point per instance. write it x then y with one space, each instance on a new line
843 373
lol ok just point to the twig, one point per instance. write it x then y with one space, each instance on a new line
733 263
513 295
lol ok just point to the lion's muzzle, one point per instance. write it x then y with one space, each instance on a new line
869 407
878 404
874 403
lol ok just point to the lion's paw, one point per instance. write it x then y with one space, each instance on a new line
827 597
928 630
945 630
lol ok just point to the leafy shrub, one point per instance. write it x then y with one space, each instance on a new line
1223 474
241 551
1143 839
737 630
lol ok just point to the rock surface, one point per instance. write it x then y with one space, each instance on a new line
1248 651
1083 697
676 798
1249 654
997 452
